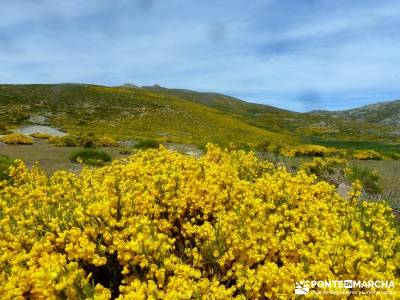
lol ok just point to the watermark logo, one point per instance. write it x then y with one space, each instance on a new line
344 287
302 288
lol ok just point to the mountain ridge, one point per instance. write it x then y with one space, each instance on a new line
183 115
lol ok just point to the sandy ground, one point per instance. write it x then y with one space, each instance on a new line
49 157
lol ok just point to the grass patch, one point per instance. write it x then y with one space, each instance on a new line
359 145
92 157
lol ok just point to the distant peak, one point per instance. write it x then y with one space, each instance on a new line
129 85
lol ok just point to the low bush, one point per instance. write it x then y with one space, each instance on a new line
17 139
106 141
5 164
393 155
305 150
125 151
331 169
65 141
367 155
88 141
90 157
147 144
39 135
369 178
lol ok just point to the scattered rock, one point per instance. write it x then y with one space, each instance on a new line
184 148
127 143
343 190
31 129
37 119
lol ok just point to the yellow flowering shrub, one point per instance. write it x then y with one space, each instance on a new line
41 135
162 225
106 141
367 154
16 139
305 150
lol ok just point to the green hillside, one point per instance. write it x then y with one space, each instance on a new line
306 126
184 116
125 113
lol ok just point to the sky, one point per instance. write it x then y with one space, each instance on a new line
295 54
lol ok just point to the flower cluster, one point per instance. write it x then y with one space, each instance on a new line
367 154
162 225
309 150
88 141
16 139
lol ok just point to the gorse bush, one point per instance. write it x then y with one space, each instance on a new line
16 139
106 141
367 155
91 157
162 225
87 141
40 135
305 150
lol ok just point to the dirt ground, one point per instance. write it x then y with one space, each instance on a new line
49 157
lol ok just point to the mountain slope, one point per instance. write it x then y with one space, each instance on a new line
130 112
386 113
310 127
219 101
124 112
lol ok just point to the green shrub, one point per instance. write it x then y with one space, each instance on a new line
5 164
88 141
147 144
39 135
125 151
106 141
393 155
91 157
369 178
263 146
64 141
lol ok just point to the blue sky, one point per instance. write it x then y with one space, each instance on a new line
294 54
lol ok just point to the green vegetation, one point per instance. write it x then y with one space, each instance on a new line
321 125
369 178
86 141
124 113
147 144
65 141
125 151
5 164
359 145
44 136
92 157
